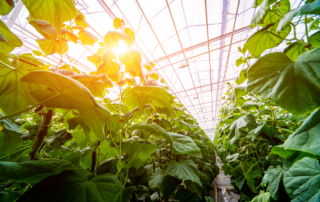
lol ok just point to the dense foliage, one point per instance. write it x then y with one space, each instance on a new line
268 133
63 139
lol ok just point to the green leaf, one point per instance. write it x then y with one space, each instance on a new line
183 195
107 151
79 137
250 172
244 121
73 185
185 169
242 77
274 15
261 13
32 171
154 130
194 188
55 12
295 49
81 20
85 36
130 33
140 95
52 45
6 6
15 95
164 182
12 40
132 148
183 145
306 138
273 176
126 194
312 8
294 85
264 197
302 180
268 36
71 95
97 84
114 123
11 137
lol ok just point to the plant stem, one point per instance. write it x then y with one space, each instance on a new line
28 108
307 34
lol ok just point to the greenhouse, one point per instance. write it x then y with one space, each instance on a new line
160 100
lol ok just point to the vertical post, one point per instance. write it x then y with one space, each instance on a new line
12 17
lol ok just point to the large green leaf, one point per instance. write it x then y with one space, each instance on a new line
141 95
71 94
294 85
275 14
10 136
268 36
52 45
138 152
312 8
6 6
250 172
164 182
32 171
264 197
55 12
306 138
15 95
273 176
295 49
185 169
183 145
73 186
12 40
244 121
154 130
184 195
302 180
97 84
261 13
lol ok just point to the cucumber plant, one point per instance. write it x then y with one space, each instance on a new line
268 131
63 139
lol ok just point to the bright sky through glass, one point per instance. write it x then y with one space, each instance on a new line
158 42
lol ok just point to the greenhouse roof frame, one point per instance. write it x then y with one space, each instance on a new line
180 37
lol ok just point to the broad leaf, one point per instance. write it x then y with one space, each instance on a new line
264 197
97 84
185 169
244 121
153 129
71 94
183 145
55 12
261 13
273 176
295 49
11 137
183 195
294 85
268 36
52 45
164 182
6 6
33 171
312 8
85 36
306 138
73 185
250 172
12 40
302 180
138 152
140 95
14 95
